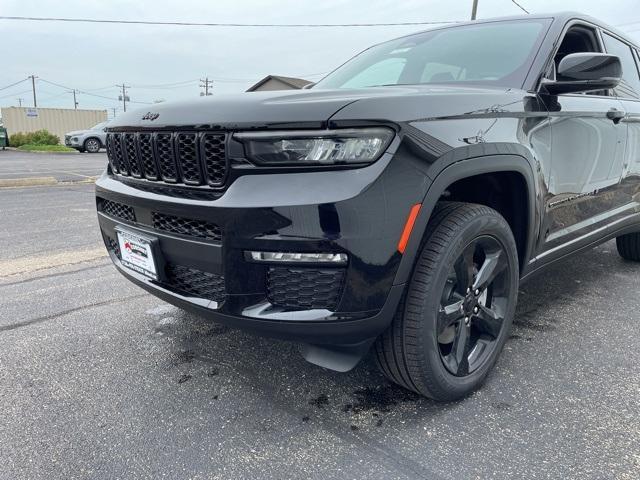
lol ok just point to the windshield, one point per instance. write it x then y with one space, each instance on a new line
496 53
99 126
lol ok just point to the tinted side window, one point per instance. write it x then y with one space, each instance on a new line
629 86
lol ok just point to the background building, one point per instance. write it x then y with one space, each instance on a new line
276 82
56 120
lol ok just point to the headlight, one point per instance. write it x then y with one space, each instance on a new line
327 147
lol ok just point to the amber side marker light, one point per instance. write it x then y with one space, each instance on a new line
408 227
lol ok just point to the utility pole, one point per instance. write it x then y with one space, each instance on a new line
474 9
33 85
124 96
20 102
75 103
114 112
205 84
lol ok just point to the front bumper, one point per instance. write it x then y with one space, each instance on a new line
72 142
359 212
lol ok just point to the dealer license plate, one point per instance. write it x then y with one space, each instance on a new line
137 253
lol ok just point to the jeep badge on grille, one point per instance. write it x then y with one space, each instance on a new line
150 116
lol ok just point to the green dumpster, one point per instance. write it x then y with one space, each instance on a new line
4 138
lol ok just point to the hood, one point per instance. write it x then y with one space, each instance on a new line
298 108
76 132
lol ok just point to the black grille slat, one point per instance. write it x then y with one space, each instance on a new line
131 152
186 226
214 158
117 154
195 283
305 288
147 159
165 154
123 164
111 153
188 158
118 210
187 148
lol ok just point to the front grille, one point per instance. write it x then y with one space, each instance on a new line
194 283
187 158
118 210
305 287
186 226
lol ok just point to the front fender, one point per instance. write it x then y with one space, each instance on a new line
458 170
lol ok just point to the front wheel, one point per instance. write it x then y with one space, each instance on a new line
92 145
458 307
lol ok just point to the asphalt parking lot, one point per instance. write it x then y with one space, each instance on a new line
63 167
101 380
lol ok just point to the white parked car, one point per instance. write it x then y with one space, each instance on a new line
91 140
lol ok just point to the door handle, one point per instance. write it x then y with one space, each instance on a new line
616 115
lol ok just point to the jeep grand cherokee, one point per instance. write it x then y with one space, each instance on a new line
397 204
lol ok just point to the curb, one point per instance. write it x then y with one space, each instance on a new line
40 181
14 149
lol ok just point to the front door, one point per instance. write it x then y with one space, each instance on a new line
587 157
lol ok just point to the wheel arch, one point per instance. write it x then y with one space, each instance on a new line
466 169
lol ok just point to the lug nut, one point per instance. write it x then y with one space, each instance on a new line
469 290
467 320
477 292
476 309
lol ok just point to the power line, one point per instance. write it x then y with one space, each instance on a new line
207 24
166 85
84 92
520 6
626 23
13 84
16 93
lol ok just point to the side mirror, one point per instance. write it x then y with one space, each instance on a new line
585 72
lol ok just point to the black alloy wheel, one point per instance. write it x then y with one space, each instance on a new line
458 307
473 306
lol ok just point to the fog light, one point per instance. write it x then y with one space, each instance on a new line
291 257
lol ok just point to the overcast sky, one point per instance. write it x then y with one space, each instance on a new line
94 57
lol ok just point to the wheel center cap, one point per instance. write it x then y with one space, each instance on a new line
469 304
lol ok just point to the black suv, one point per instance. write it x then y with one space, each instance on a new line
396 204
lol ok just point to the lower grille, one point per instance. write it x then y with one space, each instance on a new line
195 283
160 221
186 281
113 246
305 287
118 210
185 226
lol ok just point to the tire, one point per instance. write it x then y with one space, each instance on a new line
92 145
417 351
629 246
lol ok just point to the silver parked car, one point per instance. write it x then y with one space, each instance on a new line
91 140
